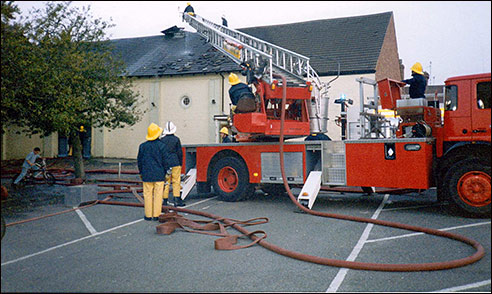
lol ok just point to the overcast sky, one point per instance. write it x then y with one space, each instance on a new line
449 38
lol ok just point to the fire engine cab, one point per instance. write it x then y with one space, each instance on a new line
424 151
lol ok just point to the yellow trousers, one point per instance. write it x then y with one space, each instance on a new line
175 179
152 192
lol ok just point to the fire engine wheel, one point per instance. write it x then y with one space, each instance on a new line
467 184
230 179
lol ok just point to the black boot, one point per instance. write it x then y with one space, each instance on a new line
178 202
164 201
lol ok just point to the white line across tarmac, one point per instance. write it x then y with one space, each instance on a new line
337 281
465 287
86 222
87 237
416 234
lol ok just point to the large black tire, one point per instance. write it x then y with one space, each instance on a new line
203 187
50 179
467 186
230 179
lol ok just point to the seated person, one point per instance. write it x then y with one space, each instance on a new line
241 95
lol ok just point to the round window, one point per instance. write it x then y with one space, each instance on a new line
185 101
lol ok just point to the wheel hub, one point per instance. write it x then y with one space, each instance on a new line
474 188
228 179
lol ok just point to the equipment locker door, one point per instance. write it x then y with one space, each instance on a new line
481 110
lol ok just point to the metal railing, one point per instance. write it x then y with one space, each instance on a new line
251 48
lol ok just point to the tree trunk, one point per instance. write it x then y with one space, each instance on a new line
78 162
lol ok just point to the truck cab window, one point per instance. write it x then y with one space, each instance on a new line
483 95
451 98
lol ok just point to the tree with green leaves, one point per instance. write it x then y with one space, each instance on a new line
59 74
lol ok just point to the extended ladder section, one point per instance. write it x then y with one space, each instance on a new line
242 47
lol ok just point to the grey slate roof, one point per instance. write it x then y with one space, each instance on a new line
165 55
354 41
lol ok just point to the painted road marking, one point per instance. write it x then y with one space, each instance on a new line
416 234
86 222
86 237
337 281
465 287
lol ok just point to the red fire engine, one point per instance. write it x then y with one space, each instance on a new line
424 152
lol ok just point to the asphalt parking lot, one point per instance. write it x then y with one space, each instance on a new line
107 248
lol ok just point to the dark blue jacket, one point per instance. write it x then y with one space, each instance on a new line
237 90
227 139
151 161
417 85
172 151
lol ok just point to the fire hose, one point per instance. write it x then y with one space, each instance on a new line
228 240
327 261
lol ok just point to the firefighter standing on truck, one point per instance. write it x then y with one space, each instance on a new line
152 169
418 82
174 160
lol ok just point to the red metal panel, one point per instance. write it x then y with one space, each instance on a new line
367 166
251 153
292 92
389 92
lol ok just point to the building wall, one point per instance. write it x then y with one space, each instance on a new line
17 146
388 65
190 102
350 87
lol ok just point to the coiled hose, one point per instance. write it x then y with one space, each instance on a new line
336 262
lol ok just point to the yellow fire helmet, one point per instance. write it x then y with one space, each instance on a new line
224 130
233 79
153 132
417 67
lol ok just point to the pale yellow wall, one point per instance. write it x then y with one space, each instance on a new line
195 124
350 87
17 146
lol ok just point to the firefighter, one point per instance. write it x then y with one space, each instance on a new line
174 160
317 137
224 134
189 9
152 169
241 96
418 82
224 21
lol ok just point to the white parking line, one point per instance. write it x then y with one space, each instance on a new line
86 222
71 242
465 287
86 237
337 281
411 207
416 234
